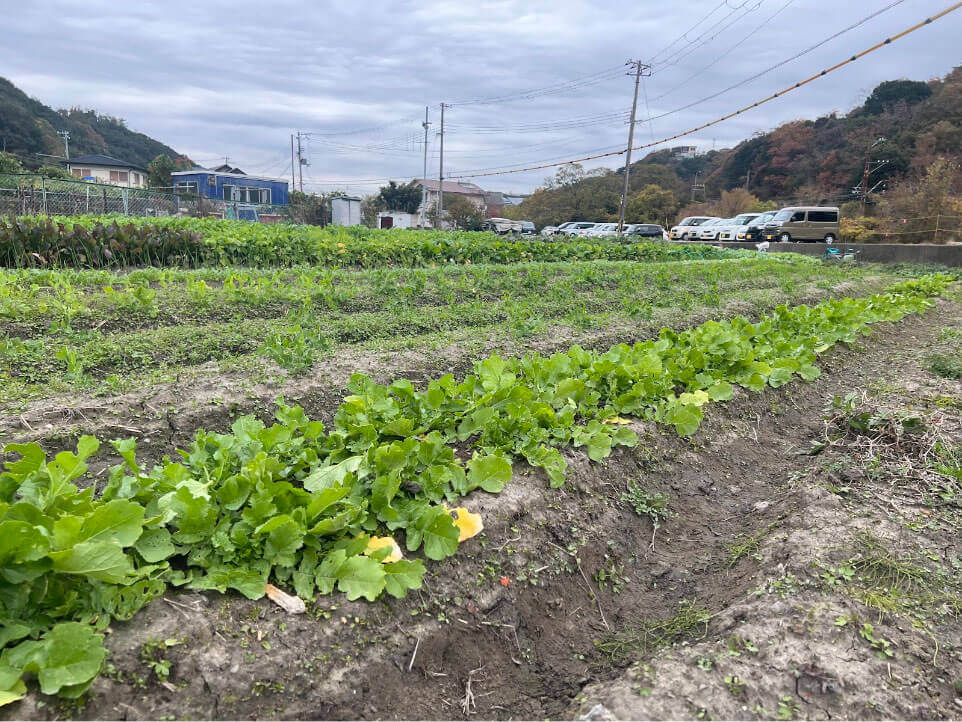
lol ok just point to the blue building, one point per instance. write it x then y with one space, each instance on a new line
231 185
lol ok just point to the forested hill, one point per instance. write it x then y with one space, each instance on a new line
805 160
28 127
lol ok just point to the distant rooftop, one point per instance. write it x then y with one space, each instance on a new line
105 160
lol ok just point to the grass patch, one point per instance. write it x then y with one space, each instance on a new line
691 622
746 545
948 366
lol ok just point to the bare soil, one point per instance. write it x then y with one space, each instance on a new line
510 627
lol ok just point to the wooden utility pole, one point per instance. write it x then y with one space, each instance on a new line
640 69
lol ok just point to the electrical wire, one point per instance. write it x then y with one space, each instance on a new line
728 52
701 40
780 93
777 65
561 87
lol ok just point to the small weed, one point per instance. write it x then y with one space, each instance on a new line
882 647
735 685
151 655
787 708
654 505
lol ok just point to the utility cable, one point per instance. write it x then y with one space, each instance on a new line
780 93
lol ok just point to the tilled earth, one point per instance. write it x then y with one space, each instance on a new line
745 604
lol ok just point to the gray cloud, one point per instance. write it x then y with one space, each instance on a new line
235 79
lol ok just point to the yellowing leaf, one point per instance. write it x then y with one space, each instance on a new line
617 420
696 398
468 523
379 542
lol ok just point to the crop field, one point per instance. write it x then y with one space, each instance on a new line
280 471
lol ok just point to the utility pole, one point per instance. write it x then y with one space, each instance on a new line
865 172
65 134
640 69
748 178
292 161
441 176
424 176
300 164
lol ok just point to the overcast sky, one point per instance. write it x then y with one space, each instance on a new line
235 79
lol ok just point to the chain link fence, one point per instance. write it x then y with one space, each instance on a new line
25 194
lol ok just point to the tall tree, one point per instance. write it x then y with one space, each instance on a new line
403 197
159 170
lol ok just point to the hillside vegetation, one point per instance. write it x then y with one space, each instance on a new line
812 161
29 127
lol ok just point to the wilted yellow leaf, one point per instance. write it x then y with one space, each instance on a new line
468 523
617 420
379 542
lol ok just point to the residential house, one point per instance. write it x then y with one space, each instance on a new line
106 169
231 185
472 192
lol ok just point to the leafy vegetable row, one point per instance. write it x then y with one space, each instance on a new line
119 241
320 510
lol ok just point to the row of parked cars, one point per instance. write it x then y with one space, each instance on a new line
797 223
587 229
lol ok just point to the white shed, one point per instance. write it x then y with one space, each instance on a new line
346 211
397 219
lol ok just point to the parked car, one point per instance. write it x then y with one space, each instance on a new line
688 227
803 224
755 229
527 228
555 230
711 229
738 225
578 229
646 230
602 229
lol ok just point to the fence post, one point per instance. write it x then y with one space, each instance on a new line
88 199
935 235
105 201
125 195
43 192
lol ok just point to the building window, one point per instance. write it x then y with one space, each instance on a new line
82 172
118 176
247 195
186 187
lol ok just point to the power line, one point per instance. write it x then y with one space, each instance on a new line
555 88
695 44
746 108
777 65
731 49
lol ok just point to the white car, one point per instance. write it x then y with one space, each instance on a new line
558 230
739 224
688 227
579 229
603 229
710 229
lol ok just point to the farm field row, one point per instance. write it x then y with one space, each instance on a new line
119 241
107 333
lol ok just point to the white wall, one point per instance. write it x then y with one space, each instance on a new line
135 178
